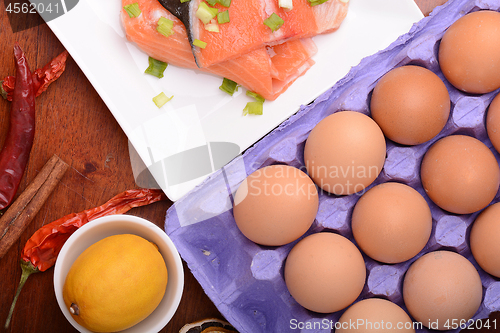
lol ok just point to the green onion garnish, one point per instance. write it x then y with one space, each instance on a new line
316 2
286 4
206 13
229 86
199 43
212 26
161 99
165 26
182 1
132 9
256 107
257 97
156 67
225 3
274 22
223 17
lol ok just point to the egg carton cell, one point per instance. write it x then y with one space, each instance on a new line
245 280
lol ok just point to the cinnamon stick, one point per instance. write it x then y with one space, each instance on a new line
20 214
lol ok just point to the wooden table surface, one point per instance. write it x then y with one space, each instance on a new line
75 124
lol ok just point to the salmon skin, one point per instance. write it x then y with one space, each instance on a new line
246 31
267 70
183 12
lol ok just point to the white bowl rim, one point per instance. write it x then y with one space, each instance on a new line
130 220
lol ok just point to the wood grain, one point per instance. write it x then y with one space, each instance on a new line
75 124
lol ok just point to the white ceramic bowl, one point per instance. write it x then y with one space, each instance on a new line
121 224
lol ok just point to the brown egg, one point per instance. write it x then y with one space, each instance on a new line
410 104
441 287
460 174
493 122
374 315
325 272
485 240
391 222
345 152
469 53
275 205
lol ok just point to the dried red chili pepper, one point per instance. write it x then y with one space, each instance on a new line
41 250
46 243
17 147
42 77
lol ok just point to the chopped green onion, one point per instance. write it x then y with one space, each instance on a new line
205 13
223 17
256 107
225 3
132 9
156 67
229 86
182 1
286 4
212 26
274 22
165 26
199 43
316 2
257 97
161 99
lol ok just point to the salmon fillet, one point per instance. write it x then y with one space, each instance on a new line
246 30
268 71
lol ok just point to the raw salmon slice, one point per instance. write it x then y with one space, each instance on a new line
246 30
287 57
266 71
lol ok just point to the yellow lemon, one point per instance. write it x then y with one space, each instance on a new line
115 283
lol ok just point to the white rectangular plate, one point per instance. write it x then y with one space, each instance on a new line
200 114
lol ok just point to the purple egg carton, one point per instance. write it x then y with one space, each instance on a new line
245 280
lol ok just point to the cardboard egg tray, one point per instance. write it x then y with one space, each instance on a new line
245 280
